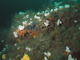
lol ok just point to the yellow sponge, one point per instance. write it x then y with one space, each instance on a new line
25 57
3 56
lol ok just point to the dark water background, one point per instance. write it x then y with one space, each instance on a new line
9 7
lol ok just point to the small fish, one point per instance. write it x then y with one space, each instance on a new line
18 40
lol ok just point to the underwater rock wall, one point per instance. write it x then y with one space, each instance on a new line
51 34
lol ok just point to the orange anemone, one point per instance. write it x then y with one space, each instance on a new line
22 33
28 31
51 18
34 34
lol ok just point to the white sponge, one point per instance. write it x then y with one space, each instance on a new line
20 27
59 22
